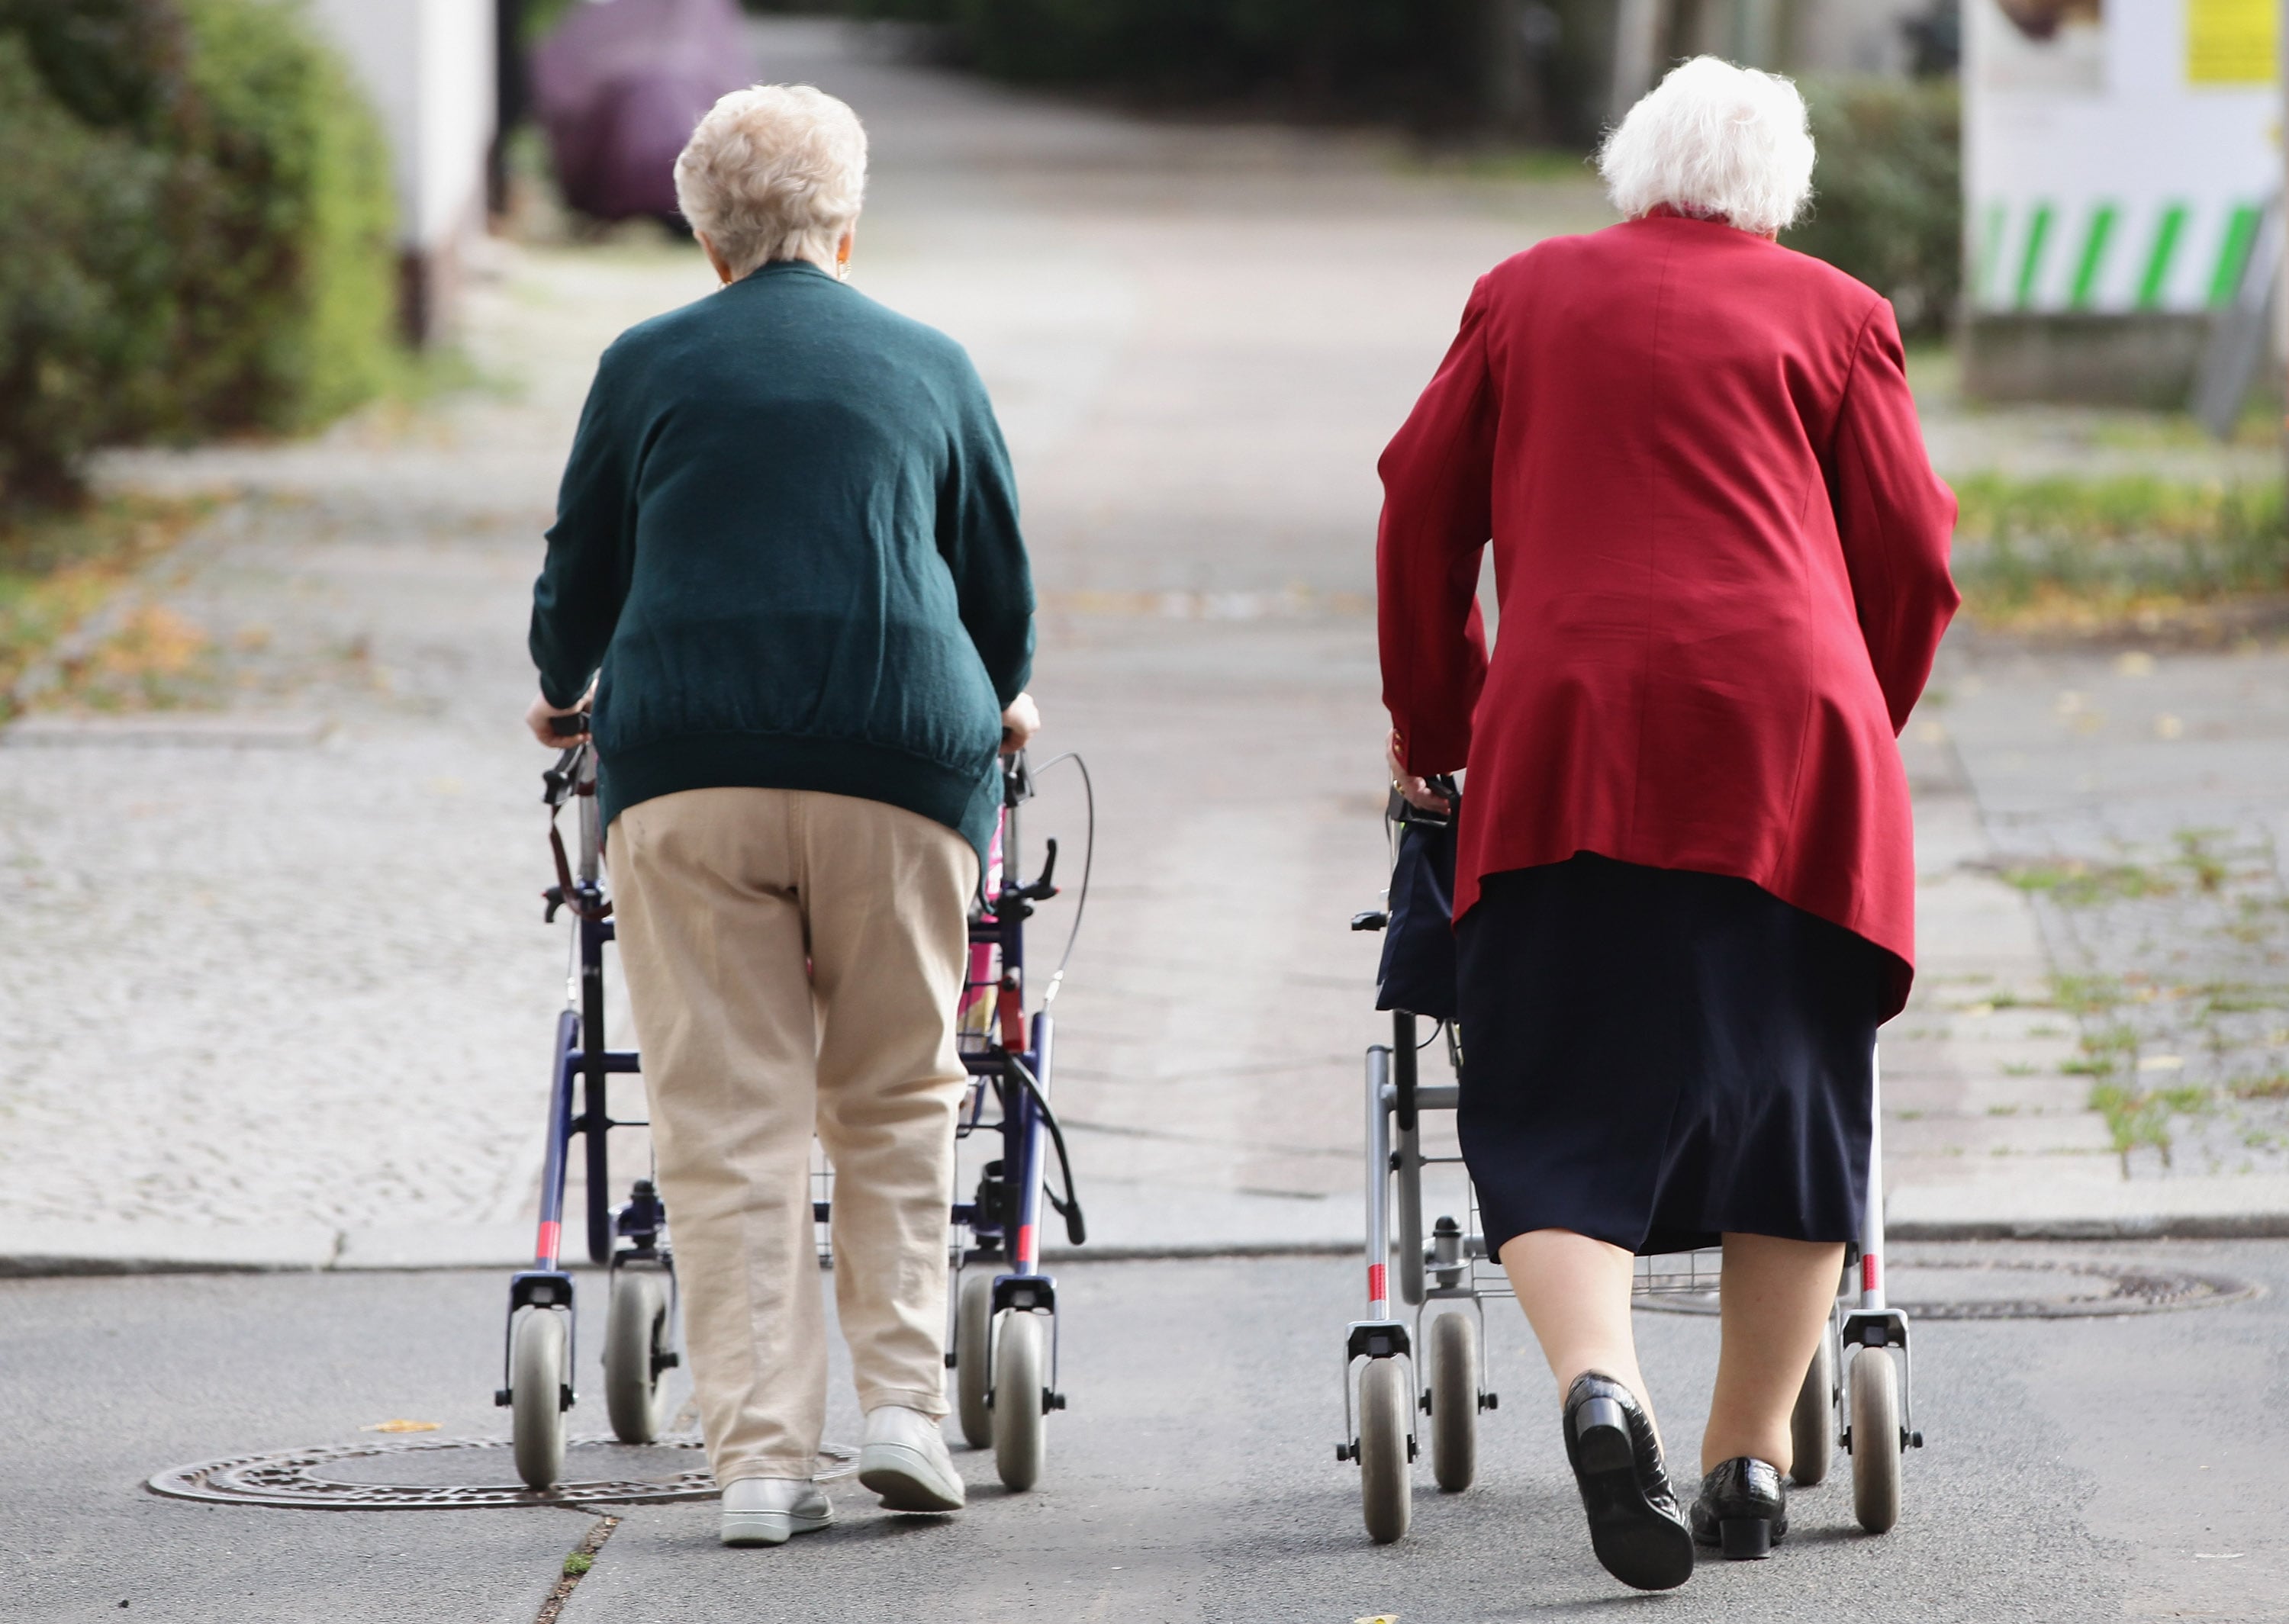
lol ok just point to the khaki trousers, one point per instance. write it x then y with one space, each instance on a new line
793 960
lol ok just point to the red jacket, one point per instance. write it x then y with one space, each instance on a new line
1720 555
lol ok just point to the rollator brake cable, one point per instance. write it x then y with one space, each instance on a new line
1081 903
1068 1208
563 782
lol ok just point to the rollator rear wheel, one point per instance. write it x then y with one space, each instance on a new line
1454 1401
1020 1393
537 1371
1811 1427
636 1339
1875 1439
973 1357
1384 1402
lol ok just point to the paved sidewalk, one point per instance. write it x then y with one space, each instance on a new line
279 989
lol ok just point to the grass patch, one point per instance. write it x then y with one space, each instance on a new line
2238 997
2086 995
1540 165
2086 554
2208 869
2273 1087
2136 1117
2087 1066
57 569
2076 884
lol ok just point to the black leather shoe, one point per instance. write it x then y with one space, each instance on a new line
1743 1508
1634 1524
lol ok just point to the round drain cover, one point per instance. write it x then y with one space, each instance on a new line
431 1475
2016 1288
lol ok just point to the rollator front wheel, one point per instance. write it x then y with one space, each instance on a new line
1020 1394
973 1359
1384 1402
1812 1427
1455 1401
636 1335
538 1390
1875 1439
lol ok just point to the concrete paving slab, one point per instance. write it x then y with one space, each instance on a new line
2091 1206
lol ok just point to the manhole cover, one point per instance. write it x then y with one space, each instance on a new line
427 1475
1969 1288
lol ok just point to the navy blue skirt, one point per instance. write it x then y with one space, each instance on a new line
1655 1057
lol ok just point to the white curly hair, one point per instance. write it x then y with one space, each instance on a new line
774 172
1717 142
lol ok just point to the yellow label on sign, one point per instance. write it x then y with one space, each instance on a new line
2231 41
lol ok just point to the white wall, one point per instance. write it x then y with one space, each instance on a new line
1861 36
2101 173
428 67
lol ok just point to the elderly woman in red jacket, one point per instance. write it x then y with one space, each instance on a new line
1685 890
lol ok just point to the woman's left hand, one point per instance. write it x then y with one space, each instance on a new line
1417 792
540 713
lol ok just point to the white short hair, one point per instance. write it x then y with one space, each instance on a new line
1715 141
775 171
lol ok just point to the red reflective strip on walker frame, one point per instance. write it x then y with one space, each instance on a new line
1377 1291
551 1236
1871 1273
1026 1244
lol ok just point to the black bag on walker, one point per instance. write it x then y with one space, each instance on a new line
1417 973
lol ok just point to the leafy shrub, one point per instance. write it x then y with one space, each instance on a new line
1418 59
83 283
293 258
1887 197
195 230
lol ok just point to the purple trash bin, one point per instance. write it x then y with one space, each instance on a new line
619 85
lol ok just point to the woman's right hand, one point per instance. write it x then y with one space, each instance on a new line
1019 723
1419 793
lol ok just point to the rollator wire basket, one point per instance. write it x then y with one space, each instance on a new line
1002 1340
1863 1405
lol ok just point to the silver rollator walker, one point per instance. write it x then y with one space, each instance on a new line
1863 1403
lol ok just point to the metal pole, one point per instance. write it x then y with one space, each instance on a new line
1636 28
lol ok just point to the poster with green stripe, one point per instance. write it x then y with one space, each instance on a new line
2118 154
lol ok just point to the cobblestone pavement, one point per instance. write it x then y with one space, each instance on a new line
275 955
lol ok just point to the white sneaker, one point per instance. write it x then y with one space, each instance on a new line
768 1511
904 1461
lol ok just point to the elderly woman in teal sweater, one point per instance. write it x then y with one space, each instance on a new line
787 556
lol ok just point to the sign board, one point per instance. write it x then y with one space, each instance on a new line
2118 154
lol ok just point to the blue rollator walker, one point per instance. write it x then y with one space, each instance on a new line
1002 1345
1865 1405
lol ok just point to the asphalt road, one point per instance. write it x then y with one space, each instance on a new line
2077 1470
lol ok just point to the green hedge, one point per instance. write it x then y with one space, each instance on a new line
196 230
1887 192
1420 60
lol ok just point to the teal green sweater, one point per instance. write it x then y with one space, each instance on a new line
788 536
